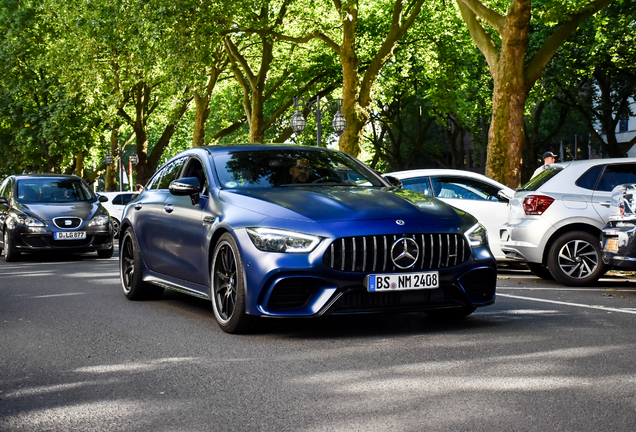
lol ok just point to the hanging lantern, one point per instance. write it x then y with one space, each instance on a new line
298 122
134 159
108 159
339 123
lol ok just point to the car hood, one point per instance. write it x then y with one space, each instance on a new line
83 210
327 204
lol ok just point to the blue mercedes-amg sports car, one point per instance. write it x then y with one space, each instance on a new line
284 231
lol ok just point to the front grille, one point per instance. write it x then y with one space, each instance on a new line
373 253
67 222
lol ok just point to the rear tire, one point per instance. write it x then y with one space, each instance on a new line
540 270
130 273
575 259
10 254
227 289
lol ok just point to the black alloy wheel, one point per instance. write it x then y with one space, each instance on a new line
130 271
227 289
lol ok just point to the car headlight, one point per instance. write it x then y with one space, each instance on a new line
275 240
27 220
99 221
477 235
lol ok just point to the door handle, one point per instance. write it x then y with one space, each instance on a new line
138 206
168 208
605 203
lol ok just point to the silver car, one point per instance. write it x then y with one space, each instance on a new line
555 220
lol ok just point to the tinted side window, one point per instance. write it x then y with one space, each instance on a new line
588 180
126 198
464 188
117 200
172 171
420 184
154 181
615 175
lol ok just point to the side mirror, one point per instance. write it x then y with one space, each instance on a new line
503 197
187 186
102 198
394 181
3 200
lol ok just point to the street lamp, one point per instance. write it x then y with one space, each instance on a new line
298 121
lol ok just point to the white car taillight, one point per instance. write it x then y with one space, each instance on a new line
536 204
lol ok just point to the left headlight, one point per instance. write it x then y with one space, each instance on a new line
275 240
99 221
477 235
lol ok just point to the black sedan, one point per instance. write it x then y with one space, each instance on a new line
275 231
52 213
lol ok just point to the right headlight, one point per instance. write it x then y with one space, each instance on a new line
477 235
276 240
27 220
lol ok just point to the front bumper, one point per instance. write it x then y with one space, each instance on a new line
301 285
41 240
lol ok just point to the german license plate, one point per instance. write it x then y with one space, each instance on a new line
611 245
70 235
402 281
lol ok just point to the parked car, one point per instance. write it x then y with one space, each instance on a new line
618 238
555 220
52 213
483 197
115 203
273 231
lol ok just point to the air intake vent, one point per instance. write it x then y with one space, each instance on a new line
373 253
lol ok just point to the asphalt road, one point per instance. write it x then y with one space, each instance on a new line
75 355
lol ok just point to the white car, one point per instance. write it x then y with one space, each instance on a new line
482 197
115 206
555 220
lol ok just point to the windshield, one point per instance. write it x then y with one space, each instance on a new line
52 191
288 168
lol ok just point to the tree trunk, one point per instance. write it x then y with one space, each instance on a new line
111 170
200 118
507 138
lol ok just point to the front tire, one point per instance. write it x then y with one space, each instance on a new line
130 271
575 259
106 253
227 289
10 254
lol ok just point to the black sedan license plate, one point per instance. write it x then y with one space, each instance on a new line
70 235
402 281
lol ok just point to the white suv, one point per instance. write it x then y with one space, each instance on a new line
555 220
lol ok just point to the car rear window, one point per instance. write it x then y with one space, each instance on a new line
541 179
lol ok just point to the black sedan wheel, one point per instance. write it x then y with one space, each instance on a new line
228 290
10 254
115 227
130 271
575 259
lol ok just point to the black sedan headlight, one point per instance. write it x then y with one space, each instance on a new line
99 221
276 240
